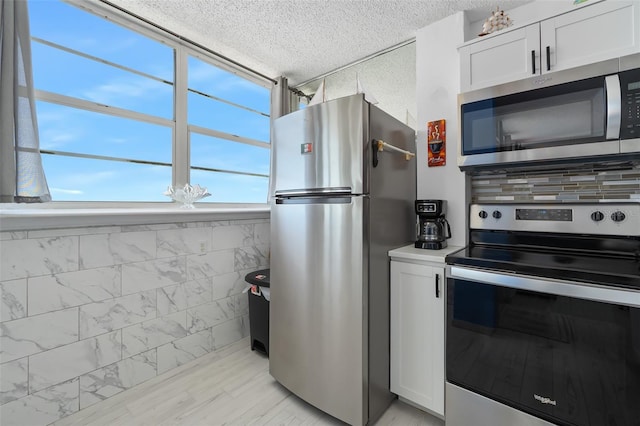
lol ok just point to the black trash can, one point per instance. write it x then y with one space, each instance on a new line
259 310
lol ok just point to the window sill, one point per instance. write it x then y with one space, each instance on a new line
21 217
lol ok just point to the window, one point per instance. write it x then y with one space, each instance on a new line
115 126
234 154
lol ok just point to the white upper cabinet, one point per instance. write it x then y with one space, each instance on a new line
602 31
500 59
592 33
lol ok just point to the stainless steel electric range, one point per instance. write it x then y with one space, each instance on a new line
543 316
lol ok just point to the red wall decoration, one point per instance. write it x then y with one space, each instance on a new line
436 143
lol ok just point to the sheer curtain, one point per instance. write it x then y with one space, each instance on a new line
22 177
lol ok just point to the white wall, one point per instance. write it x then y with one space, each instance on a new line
437 87
389 77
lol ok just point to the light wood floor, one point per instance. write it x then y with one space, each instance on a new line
229 387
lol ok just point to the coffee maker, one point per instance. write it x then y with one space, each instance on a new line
433 228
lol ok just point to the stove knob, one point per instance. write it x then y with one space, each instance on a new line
597 216
483 214
496 214
618 216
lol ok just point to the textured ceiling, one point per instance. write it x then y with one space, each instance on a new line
301 39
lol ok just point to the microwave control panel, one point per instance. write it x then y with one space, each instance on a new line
630 88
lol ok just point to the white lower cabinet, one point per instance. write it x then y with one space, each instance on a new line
417 333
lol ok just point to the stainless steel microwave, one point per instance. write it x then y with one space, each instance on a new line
589 112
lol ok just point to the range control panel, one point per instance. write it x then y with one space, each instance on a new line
554 215
598 218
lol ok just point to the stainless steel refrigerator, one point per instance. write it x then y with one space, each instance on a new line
334 216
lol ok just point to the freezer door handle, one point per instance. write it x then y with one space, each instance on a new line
313 191
437 285
324 199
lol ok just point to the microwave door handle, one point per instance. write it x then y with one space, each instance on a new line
614 106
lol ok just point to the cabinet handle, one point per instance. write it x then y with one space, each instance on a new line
533 62
548 58
437 285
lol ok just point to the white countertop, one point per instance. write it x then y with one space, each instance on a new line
425 255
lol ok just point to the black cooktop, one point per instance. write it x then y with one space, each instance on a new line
605 261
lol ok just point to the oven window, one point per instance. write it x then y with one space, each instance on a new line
566 360
565 114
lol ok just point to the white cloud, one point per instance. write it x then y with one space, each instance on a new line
63 137
50 116
88 179
106 93
98 47
123 44
199 71
125 88
66 191
53 138
217 80
117 140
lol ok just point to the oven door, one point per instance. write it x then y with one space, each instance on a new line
565 352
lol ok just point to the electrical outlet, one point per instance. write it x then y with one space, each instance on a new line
203 246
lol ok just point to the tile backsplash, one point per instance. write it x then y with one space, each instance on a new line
588 183
86 313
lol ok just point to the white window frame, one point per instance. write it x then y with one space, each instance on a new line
180 127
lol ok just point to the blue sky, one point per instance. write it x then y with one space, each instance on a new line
69 129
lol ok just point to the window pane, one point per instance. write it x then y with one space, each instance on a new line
85 32
222 154
217 115
216 82
82 179
74 130
60 72
232 188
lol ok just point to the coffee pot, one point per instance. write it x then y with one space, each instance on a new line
433 227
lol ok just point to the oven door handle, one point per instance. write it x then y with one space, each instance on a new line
586 291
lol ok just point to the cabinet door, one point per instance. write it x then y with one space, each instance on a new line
417 334
501 58
593 33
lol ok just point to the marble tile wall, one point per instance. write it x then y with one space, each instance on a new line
86 313
584 183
